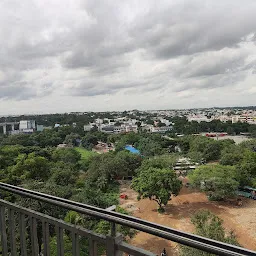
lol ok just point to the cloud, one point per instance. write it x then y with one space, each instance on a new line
54 49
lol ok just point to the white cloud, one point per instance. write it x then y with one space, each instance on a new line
87 55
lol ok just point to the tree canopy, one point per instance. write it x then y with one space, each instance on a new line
217 180
211 226
157 184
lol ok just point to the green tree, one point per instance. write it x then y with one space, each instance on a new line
66 155
217 180
157 184
212 151
89 141
149 147
160 162
208 225
91 194
64 174
246 169
31 167
103 227
71 139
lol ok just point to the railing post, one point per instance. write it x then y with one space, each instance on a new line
112 224
111 249
113 238
3 231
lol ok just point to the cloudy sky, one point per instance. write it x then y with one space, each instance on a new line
72 55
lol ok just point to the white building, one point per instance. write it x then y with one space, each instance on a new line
87 127
27 125
199 118
131 128
244 119
160 129
119 129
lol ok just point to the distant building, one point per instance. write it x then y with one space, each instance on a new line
199 118
39 127
63 146
107 129
244 119
87 127
27 124
131 128
119 129
47 127
162 129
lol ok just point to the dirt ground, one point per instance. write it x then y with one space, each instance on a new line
242 220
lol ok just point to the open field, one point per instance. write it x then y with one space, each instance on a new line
178 212
85 154
237 138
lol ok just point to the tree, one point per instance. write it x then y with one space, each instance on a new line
31 167
104 227
160 162
157 184
208 225
149 147
246 169
217 180
129 162
231 155
230 130
72 139
212 151
89 141
138 124
63 174
105 168
90 194
66 155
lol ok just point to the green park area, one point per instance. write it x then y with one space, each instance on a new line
85 154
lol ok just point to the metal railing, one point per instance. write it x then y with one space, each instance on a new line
114 244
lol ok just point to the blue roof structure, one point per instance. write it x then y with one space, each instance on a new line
132 149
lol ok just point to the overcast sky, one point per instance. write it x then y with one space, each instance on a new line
72 55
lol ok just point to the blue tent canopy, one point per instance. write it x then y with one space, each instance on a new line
132 149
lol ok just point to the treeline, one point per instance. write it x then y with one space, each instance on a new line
183 126
233 165
65 118
61 172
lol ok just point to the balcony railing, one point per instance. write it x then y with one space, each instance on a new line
20 227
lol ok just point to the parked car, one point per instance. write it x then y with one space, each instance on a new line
247 191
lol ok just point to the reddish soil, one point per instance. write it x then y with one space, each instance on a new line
242 220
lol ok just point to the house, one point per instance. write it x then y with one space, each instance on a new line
131 128
162 129
87 127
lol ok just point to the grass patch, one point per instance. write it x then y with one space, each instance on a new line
85 154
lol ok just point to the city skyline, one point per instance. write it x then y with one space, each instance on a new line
80 56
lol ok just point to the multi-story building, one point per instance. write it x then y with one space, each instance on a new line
244 119
27 126
131 128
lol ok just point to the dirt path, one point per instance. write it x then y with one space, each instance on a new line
178 212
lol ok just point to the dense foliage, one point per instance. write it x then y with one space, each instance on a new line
208 225
237 167
34 162
157 184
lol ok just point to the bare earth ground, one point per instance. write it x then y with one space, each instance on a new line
242 220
